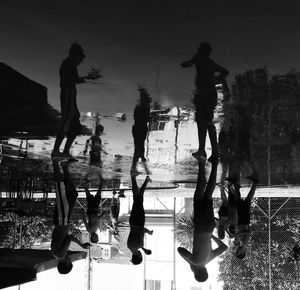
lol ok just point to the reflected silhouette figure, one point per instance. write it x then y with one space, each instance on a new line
70 123
115 210
92 222
205 97
228 215
95 144
140 129
135 240
204 224
244 211
66 195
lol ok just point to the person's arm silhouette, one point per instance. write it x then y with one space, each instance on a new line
148 231
188 63
146 251
185 254
221 247
223 73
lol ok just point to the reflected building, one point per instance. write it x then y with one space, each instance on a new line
274 107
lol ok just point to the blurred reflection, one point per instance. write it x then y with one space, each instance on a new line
204 224
66 195
141 117
114 211
228 215
95 145
205 97
93 201
243 210
135 240
234 141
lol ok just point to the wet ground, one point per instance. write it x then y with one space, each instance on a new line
261 140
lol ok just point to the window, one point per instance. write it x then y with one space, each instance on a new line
106 254
157 126
153 284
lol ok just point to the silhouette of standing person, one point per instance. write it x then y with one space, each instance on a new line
92 222
66 195
205 97
135 239
244 213
228 216
96 147
140 129
115 210
70 123
204 224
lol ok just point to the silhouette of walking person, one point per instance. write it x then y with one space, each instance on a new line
204 224
205 97
135 239
66 196
95 143
70 123
140 129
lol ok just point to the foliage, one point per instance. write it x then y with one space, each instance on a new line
253 271
184 230
34 230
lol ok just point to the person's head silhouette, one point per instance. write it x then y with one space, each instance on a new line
205 49
94 237
240 252
137 258
144 95
64 265
76 53
200 273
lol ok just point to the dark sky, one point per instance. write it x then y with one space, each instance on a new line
128 39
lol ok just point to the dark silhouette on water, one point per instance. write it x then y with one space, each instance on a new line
205 96
95 144
140 129
66 195
70 123
228 216
204 224
244 211
115 210
135 240
93 202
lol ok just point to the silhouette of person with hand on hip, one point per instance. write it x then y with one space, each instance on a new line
204 224
205 96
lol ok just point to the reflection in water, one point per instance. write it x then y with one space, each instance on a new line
257 121
205 98
204 224
140 129
70 124
95 145
93 203
66 195
135 240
